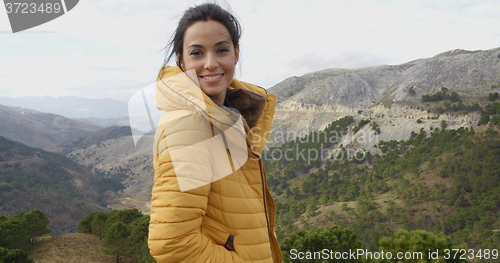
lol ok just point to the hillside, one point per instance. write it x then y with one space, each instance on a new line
467 72
390 95
120 156
71 247
446 181
91 138
38 129
65 191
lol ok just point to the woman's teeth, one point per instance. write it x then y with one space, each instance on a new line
212 77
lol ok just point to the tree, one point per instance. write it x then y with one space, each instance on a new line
115 239
444 124
316 239
124 233
495 120
85 225
493 96
98 222
412 91
14 255
485 118
454 97
13 234
125 216
35 221
417 245
137 240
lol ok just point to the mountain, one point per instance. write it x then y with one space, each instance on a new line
38 129
466 72
121 156
31 178
389 147
72 107
91 138
390 95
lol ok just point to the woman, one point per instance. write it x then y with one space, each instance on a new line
210 201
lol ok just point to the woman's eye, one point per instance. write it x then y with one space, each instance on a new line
221 50
195 53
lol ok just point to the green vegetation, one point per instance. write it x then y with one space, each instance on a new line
412 91
360 125
31 177
443 182
493 96
14 255
20 232
491 113
124 233
417 246
376 127
447 98
440 95
316 240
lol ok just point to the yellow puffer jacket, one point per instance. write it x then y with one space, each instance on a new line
228 218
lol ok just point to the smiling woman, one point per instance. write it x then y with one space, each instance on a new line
208 49
210 200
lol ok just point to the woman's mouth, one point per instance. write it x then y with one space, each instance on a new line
212 78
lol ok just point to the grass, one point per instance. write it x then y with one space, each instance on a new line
71 247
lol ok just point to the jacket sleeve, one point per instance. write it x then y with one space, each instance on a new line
176 216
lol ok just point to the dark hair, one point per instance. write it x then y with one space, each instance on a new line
203 12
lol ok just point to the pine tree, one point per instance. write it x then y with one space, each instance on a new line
98 223
115 240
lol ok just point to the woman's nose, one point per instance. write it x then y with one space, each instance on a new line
211 62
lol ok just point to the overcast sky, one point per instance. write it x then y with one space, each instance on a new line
112 48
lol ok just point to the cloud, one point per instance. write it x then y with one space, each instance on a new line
106 48
348 59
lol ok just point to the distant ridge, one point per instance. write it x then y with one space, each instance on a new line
40 130
88 139
470 73
72 107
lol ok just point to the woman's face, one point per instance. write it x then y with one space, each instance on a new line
208 50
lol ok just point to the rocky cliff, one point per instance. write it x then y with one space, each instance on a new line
470 73
389 95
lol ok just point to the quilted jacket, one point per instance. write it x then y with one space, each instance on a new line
210 200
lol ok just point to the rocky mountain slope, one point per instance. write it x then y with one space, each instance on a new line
386 93
120 155
38 129
467 72
91 138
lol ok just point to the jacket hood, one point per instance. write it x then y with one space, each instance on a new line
247 109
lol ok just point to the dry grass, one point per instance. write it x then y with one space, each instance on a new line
71 247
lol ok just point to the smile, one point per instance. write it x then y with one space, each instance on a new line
212 77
